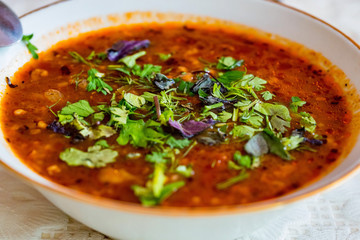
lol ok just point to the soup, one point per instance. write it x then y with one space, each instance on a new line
176 114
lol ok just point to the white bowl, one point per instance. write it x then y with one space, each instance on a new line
133 222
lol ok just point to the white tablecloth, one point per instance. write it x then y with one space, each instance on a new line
333 215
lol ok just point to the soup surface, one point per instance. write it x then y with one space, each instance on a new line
175 115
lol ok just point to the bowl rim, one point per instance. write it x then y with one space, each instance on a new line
107 203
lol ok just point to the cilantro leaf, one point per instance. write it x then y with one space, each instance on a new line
96 83
103 143
279 115
101 131
32 49
119 116
296 103
157 157
292 142
243 132
224 116
184 87
177 143
93 158
267 95
130 61
307 121
133 132
82 108
228 77
228 63
137 133
136 101
147 198
242 160
164 57
186 171
148 70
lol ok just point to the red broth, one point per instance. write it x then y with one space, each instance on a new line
57 78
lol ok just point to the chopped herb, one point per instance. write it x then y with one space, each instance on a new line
186 171
231 181
307 121
267 95
32 49
164 57
177 143
242 160
296 103
95 157
96 82
147 197
228 63
134 100
82 108
79 58
103 143
130 61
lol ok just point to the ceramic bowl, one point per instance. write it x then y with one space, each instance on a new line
133 222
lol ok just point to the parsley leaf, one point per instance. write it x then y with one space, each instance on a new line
32 49
242 160
186 171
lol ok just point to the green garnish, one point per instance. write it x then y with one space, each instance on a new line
96 83
307 121
228 63
82 108
130 61
164 57
32 49
95 157
296 103
234 99
231 181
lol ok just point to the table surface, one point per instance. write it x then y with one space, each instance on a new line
333 215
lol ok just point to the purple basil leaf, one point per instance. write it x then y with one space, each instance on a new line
66 130
190 128
123 48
